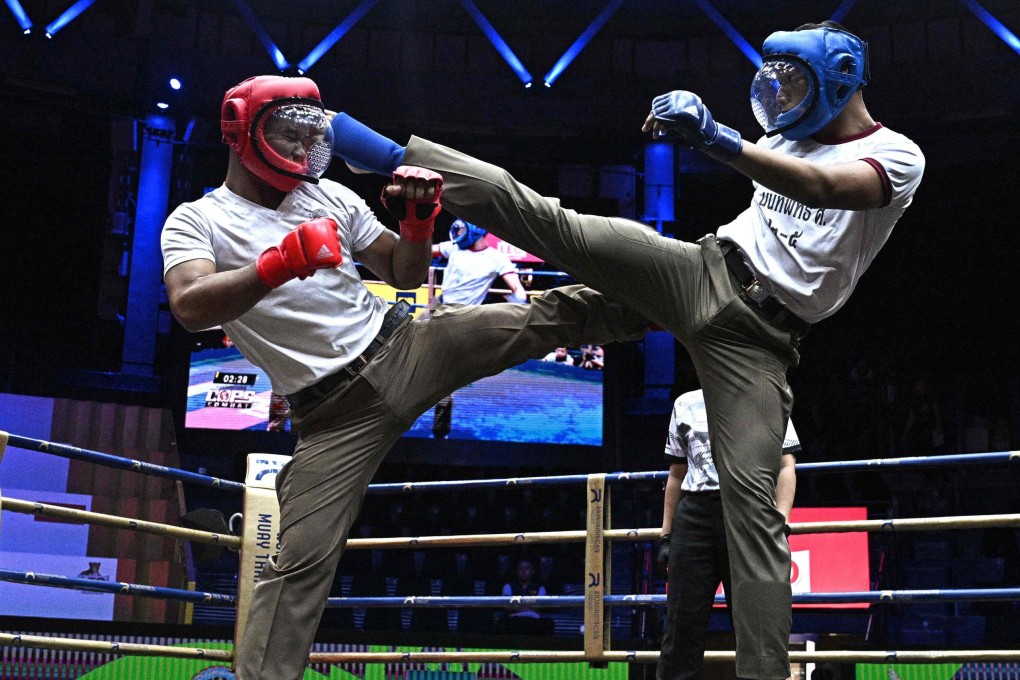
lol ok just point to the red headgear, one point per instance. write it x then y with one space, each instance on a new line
292 110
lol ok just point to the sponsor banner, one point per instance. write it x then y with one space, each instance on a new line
828 563
510 250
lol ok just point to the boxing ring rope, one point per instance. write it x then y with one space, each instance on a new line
122 648
488 601
118 462
597 533
430 284
557 601
114 587
86 517
862 656
835 527
965 459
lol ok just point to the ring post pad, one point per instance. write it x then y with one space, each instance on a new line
260 533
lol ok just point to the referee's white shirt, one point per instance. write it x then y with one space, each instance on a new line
688 442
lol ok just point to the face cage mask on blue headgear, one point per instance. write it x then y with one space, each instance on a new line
464 234
806 79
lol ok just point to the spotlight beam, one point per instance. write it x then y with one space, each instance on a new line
843 9
504 50
582 41
998 28
335 35
274 52
19 15
730 32
68 15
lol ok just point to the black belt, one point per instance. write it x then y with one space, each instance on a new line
755 295
334 381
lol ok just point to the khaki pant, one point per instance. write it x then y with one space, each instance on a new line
343 439
740 358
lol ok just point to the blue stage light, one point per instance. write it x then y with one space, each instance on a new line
998 28
274 52
20 16
843 9
730 32
175 84
497 41
582 41
69 15
162 106
334 36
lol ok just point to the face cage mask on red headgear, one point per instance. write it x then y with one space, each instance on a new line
279 130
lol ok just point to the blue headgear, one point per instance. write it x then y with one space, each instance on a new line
830 64
464 234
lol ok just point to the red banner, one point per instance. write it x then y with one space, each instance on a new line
513 252
829 563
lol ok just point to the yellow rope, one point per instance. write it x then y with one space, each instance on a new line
43 509
104 647
871 525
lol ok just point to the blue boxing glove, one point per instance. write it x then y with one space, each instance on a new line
682 113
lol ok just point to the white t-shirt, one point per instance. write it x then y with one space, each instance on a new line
303 330
812 258
469 273
688 442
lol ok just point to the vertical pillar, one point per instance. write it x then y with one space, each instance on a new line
659 184
145 281
659 208
619 181
660 363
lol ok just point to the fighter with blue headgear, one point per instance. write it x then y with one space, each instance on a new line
829 187
465 234
806 79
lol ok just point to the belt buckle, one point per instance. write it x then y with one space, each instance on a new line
756 291
353 370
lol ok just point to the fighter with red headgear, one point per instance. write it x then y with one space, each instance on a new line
356 371
279 130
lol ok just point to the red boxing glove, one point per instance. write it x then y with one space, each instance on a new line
416 215
312 245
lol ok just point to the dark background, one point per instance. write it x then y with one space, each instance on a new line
938 303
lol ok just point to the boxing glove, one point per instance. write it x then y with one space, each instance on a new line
312 245
416 215
685 115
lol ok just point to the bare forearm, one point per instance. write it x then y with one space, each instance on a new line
410 263
847 186
786 489
792 177
217 298
669 501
